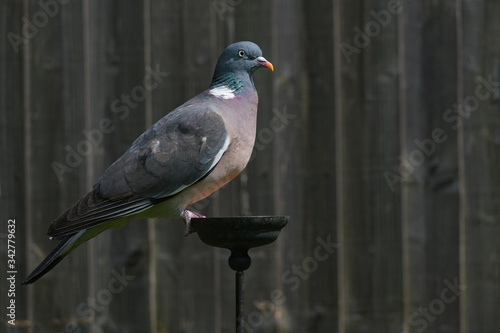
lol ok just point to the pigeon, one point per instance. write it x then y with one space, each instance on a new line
184 157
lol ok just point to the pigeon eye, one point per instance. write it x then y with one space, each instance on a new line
241 53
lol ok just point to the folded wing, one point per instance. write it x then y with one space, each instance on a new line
179 150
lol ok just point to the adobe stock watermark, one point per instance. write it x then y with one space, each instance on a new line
454 116
39 19
94 137
223 6
371 29
292 279
87 310
421 318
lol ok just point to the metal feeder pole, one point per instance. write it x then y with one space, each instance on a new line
239 261
240 302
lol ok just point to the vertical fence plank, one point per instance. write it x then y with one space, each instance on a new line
289 102
411 186
479 154
440 169
428 164
12 168
98 87
53 131
371 239
73 111
321 311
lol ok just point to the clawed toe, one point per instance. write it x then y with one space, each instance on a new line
187 215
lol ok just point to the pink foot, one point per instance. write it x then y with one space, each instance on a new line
187 215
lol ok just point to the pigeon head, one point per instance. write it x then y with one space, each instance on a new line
242 56
236 65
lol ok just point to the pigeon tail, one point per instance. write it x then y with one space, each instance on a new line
61 251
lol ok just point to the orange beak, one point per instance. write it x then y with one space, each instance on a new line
264 63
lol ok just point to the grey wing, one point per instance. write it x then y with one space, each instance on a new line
176 152
168 158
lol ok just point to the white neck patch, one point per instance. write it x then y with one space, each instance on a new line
222 92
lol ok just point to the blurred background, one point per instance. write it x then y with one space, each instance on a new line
378 134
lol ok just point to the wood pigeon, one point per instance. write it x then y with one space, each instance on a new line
183 158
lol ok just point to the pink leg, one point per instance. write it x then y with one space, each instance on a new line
187 215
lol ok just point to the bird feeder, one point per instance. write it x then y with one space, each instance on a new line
239 234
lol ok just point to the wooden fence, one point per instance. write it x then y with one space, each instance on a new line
378 133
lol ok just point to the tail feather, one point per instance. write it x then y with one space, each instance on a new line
62 250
